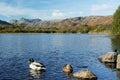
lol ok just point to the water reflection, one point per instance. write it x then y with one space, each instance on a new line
85 79
115 43
76 49
69 75
36 73
118 73
110 65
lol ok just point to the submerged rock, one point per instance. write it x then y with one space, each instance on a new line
109 57
84 75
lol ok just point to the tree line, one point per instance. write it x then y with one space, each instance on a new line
65 29
116 22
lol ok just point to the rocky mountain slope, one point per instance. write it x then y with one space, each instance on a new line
90 21
70 22
4 23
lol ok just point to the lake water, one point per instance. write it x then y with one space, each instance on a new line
54 50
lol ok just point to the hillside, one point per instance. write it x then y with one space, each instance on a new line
4 23
89 24
25 22
77 21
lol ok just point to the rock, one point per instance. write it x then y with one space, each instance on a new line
84 75
118 62
109 57
67 68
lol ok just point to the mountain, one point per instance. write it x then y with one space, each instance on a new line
25 22
90 21
70 22
4 23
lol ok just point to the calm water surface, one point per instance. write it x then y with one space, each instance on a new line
54 50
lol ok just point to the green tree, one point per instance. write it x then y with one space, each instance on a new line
116 22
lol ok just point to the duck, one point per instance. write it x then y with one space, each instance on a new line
116 50
36 65
67 68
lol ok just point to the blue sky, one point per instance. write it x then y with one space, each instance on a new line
55 9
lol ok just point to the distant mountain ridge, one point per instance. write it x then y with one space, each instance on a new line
4 23
25 22
90 21
69 22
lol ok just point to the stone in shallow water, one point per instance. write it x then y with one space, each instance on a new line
118 62
84 75
67 69
109 57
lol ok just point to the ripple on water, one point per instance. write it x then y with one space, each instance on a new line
54 50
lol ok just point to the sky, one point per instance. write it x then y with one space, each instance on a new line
55 9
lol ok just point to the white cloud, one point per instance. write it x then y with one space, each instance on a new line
74 14
62 15
11 11
101 7
58 14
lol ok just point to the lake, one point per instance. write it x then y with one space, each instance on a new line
55 50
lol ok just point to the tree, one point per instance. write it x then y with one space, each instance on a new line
116 22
